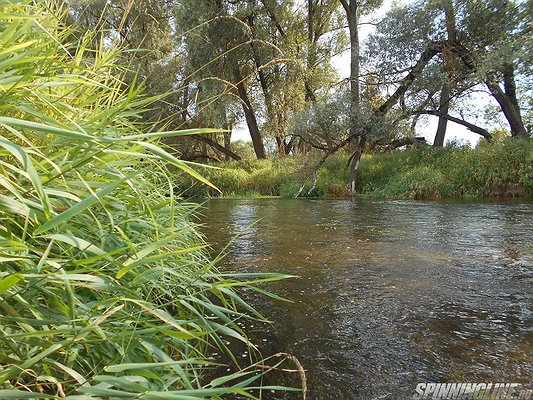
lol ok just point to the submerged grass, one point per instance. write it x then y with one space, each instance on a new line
106 288
502 169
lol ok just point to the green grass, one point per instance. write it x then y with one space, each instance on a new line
276 177
500 169
106 287
503 169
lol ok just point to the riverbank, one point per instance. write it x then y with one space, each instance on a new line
503 169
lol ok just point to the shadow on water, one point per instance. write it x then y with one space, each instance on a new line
389 293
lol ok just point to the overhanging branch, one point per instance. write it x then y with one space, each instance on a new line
217 146
471 127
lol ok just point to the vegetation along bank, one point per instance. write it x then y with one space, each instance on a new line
500 169
106 289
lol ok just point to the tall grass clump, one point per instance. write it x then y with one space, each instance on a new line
281 176
502 169
106 290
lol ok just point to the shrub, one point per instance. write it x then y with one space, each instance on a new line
269 181
421 182
230 180
504 168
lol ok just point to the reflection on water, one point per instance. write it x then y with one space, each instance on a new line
390 293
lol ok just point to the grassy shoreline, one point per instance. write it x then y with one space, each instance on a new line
503 169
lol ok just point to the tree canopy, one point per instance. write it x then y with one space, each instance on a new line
270 65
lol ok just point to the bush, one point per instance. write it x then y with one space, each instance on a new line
269 181
230 180
421 182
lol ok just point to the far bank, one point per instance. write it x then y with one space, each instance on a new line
503 169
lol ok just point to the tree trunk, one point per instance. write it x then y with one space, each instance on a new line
351 15
356 161
227 146
185 101
358 142
289 146
405 83
251 120
470 126
443 110
217 146
228 126
508 101
311 52
280 142
444 103
264 87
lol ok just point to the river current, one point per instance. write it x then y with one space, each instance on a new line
389 293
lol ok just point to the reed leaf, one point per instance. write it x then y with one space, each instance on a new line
106 288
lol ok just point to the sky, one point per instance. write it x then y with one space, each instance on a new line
427 125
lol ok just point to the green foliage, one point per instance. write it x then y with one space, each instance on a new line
421 182
244 149
233 180
496 53
106 290
498 169
504 168
323 123
275 177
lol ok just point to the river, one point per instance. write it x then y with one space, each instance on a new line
389 293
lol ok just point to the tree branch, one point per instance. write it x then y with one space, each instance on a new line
471 127
406 82
345 6
394 144
217 146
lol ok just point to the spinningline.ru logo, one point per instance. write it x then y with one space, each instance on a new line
481 391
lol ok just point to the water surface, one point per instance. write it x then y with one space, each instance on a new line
390 293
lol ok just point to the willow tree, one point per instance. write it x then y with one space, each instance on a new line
145 28
497 36
219 51
479 46
276 31
374 121
354 9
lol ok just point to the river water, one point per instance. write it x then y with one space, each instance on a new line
389 293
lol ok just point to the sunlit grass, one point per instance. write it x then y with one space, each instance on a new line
501 169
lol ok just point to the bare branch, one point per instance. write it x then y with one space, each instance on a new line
345 6
471 127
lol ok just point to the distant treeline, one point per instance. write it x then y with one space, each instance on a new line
270 66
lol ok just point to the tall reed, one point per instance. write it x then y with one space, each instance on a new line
106 288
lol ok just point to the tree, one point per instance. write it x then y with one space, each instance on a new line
144 26
448 63
496 36
480 45
354 9
219 52
276 64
